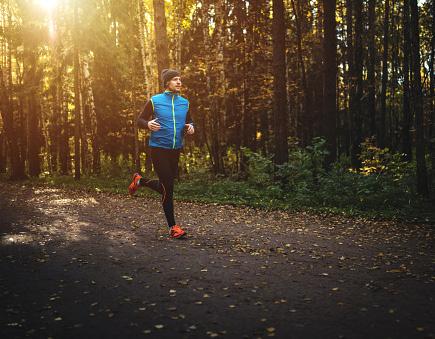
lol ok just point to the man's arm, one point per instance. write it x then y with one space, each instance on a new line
189 123
146 115
189 118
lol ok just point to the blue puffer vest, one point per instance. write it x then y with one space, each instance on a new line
171 110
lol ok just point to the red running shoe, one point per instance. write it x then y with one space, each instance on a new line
176 232
134 184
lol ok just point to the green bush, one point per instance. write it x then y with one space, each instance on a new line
260 168
302 172
384 181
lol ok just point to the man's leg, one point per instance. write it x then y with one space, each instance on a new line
175 231
163 165
151 183
168 178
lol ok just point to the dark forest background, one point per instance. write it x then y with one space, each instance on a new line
314 103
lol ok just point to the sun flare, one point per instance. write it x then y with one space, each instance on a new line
48 5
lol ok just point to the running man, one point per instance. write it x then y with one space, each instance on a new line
167 116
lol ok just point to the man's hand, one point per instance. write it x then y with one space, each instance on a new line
153 125
190 128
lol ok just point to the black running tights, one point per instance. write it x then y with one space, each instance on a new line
165 163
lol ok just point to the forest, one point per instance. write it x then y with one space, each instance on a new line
321 103
300 206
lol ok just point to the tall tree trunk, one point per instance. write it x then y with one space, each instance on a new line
22 125
383 113
89 119
247 118
348 120
307 119
6 110
3 154
246 114
180 8
317 77
356 101
264 113
34 135
3 146
135 24
143 49
213 141
85 121
17 170
144 44
222 87
33 108
407 116
252 64
64 151
422 184
371 66
431 93
77 105
161 35
90 130
329 79
96 152
394 113
249 20
279 83
54 127
342 100
60 109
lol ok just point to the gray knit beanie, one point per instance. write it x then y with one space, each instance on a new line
168 74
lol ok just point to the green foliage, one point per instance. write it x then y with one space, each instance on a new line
383 162
384 182
383 186
305 165
259 168
194 160
116 166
